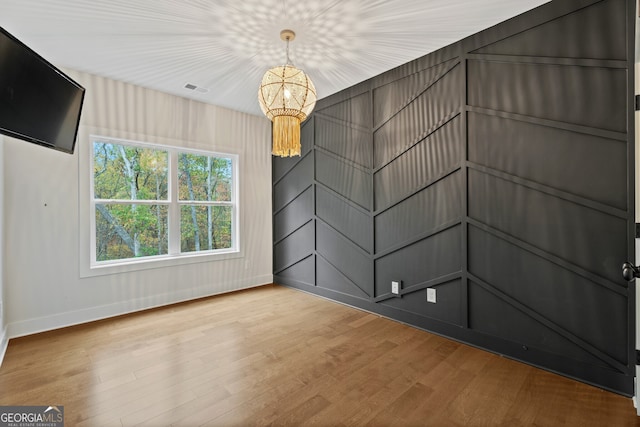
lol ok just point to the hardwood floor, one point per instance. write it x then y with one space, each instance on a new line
277 356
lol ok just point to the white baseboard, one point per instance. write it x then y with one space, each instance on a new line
91 314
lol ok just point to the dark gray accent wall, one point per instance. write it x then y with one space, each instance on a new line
497 171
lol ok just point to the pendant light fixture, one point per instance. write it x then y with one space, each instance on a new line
287 97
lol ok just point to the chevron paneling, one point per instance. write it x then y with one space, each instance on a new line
586 237
433 157
355 111
492 85
448 308
551 156
297 180
578 38
354 183
419 117
549 290
489 314
295 247
344 140
418 264
497 171
347 219
438 205
392 97
330 277
294 215
350 260
301 273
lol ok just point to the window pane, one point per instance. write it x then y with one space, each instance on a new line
130 231
129 173
204 178
205 228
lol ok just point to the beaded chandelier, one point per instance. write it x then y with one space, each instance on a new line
287 97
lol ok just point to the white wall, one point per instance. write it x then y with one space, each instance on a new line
43 202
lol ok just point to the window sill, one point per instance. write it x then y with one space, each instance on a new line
148 263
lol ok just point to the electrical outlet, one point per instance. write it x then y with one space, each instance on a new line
431 295
395 287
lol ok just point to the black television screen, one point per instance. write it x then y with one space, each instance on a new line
38 102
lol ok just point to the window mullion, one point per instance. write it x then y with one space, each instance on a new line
203 203
174 207
130 202
235 209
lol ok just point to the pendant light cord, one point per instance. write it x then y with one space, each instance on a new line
288 59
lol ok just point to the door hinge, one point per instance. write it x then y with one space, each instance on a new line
637 102
637 230
637 357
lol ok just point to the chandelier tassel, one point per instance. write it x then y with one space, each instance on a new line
286 136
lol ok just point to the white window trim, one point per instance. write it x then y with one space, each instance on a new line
88 265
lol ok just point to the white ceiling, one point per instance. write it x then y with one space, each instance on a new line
226 46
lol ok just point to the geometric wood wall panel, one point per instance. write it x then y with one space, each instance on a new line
346 180
294 182
424 212
329 277
492 85
391 97
497 170
295 247
355 110
413 122
294 215
585 237
594 32
420 262
429 159
300 273
307 130
551 156
447 309
351 261
349 221
346 141
549 290
487 314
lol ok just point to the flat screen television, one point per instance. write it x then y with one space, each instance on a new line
38 102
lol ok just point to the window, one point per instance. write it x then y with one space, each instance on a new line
206 207
155 202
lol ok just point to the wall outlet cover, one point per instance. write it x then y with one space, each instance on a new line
431 295
395 287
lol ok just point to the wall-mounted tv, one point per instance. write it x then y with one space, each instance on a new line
38 102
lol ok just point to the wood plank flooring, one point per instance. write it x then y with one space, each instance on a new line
276 356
